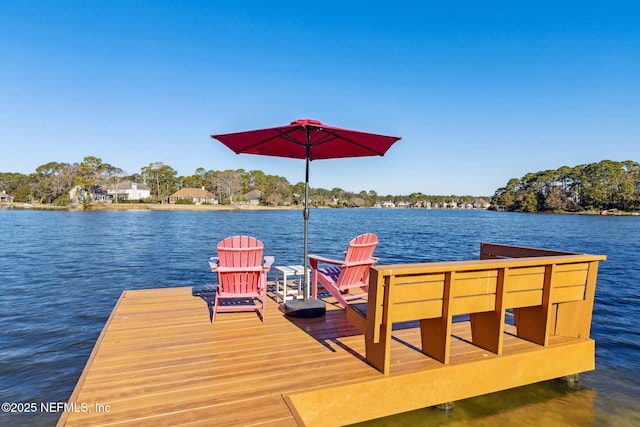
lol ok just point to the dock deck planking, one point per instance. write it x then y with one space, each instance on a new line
160 361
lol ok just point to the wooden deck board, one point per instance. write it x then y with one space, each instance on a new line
160 361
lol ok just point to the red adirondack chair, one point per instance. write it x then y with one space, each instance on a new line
351 273
242 275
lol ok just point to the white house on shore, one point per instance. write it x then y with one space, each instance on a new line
128 190
125 190
5 198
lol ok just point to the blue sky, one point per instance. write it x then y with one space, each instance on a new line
480 92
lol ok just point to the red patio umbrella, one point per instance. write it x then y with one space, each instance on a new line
310 140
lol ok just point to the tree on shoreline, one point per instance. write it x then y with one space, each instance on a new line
92 173
52 182
161 179
606 185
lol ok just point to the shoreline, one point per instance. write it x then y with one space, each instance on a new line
185 207
146 207
181 207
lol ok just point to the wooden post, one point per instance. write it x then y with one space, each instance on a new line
436 333
487 328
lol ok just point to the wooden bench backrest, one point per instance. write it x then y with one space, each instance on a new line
494 250
419 291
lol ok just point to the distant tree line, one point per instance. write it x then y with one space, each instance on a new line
51 183
606 185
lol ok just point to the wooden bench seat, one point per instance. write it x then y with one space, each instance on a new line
551 293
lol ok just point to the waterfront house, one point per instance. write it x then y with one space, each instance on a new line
251 198
481 203
5 198
196 195
128 190
97 194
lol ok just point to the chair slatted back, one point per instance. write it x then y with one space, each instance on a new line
240 267
358 260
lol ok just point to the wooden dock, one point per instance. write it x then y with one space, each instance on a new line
160 361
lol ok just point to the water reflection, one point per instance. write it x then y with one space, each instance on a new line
550 403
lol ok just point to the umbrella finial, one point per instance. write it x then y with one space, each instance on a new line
307 122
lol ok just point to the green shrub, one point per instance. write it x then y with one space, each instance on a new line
185 202
62 201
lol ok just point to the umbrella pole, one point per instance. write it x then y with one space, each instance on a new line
305 215
308 307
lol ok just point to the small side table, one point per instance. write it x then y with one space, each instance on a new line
289 291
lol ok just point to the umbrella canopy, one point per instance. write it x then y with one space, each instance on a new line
321 141
311 140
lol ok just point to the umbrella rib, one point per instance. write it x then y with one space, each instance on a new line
334 135
264 141
289 137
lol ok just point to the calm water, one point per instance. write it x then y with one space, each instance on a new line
62 272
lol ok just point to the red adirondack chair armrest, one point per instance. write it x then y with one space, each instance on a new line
315 259
213 263
268 261
367 261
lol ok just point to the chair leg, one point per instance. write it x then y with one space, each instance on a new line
314 283
215 309
337 295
